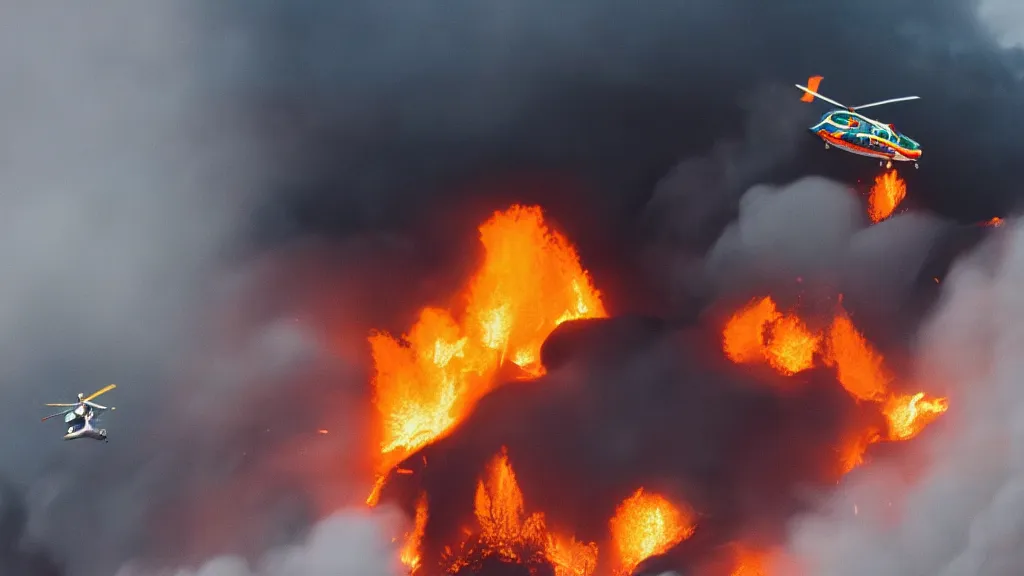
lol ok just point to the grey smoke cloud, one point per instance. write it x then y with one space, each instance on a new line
816 230
124 174
124 179
349 542
1006 20
955 508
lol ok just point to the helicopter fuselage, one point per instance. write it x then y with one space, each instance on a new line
856 133
81 427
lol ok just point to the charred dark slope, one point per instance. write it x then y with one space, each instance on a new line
633 403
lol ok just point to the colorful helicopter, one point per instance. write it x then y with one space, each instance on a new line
851 131
80 416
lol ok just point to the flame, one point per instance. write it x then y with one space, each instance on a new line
859 367
853 453
646 525
500 512
886 195
792 346
506 531
744 336
411 549
907 415
760 332
994 223
571 557
530 281
749 563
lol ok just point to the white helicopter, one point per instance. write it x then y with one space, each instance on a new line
81 415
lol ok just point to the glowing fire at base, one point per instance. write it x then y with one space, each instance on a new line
760 333
646 525
505 530
410 555
749 563
886 195
426 383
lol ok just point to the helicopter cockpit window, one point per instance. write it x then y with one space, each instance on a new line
908 143
841 119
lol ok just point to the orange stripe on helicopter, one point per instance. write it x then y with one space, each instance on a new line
840 143
812 84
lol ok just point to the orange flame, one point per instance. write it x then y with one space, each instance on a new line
506 531
759 332
749 563
411 549
571 557
425 384
792 346
908 415
500 512
646 525
859 367
886 195
994 223
744 336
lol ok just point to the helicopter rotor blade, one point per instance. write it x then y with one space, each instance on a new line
889 101
60 405
825 98
55 415
99 393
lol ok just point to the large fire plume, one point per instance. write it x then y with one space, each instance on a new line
529 282
428 381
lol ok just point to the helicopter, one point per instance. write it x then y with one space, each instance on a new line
81 415
853 132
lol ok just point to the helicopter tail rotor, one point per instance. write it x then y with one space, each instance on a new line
812 85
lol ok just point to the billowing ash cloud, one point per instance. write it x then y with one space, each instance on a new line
812 238
123 177
133 138
347 542
955 508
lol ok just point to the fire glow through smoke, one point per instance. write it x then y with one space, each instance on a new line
752 335
530 281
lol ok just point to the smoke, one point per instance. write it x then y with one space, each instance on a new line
124 181
1005 19
955 508
138 137
811 238
348 542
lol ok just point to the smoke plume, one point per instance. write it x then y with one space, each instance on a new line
212 206
954 508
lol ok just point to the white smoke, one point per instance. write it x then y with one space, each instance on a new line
817 228
1006 20
348 543
954 506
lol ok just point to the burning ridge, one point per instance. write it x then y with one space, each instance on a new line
655 449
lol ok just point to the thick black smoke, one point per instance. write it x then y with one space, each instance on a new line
391 129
